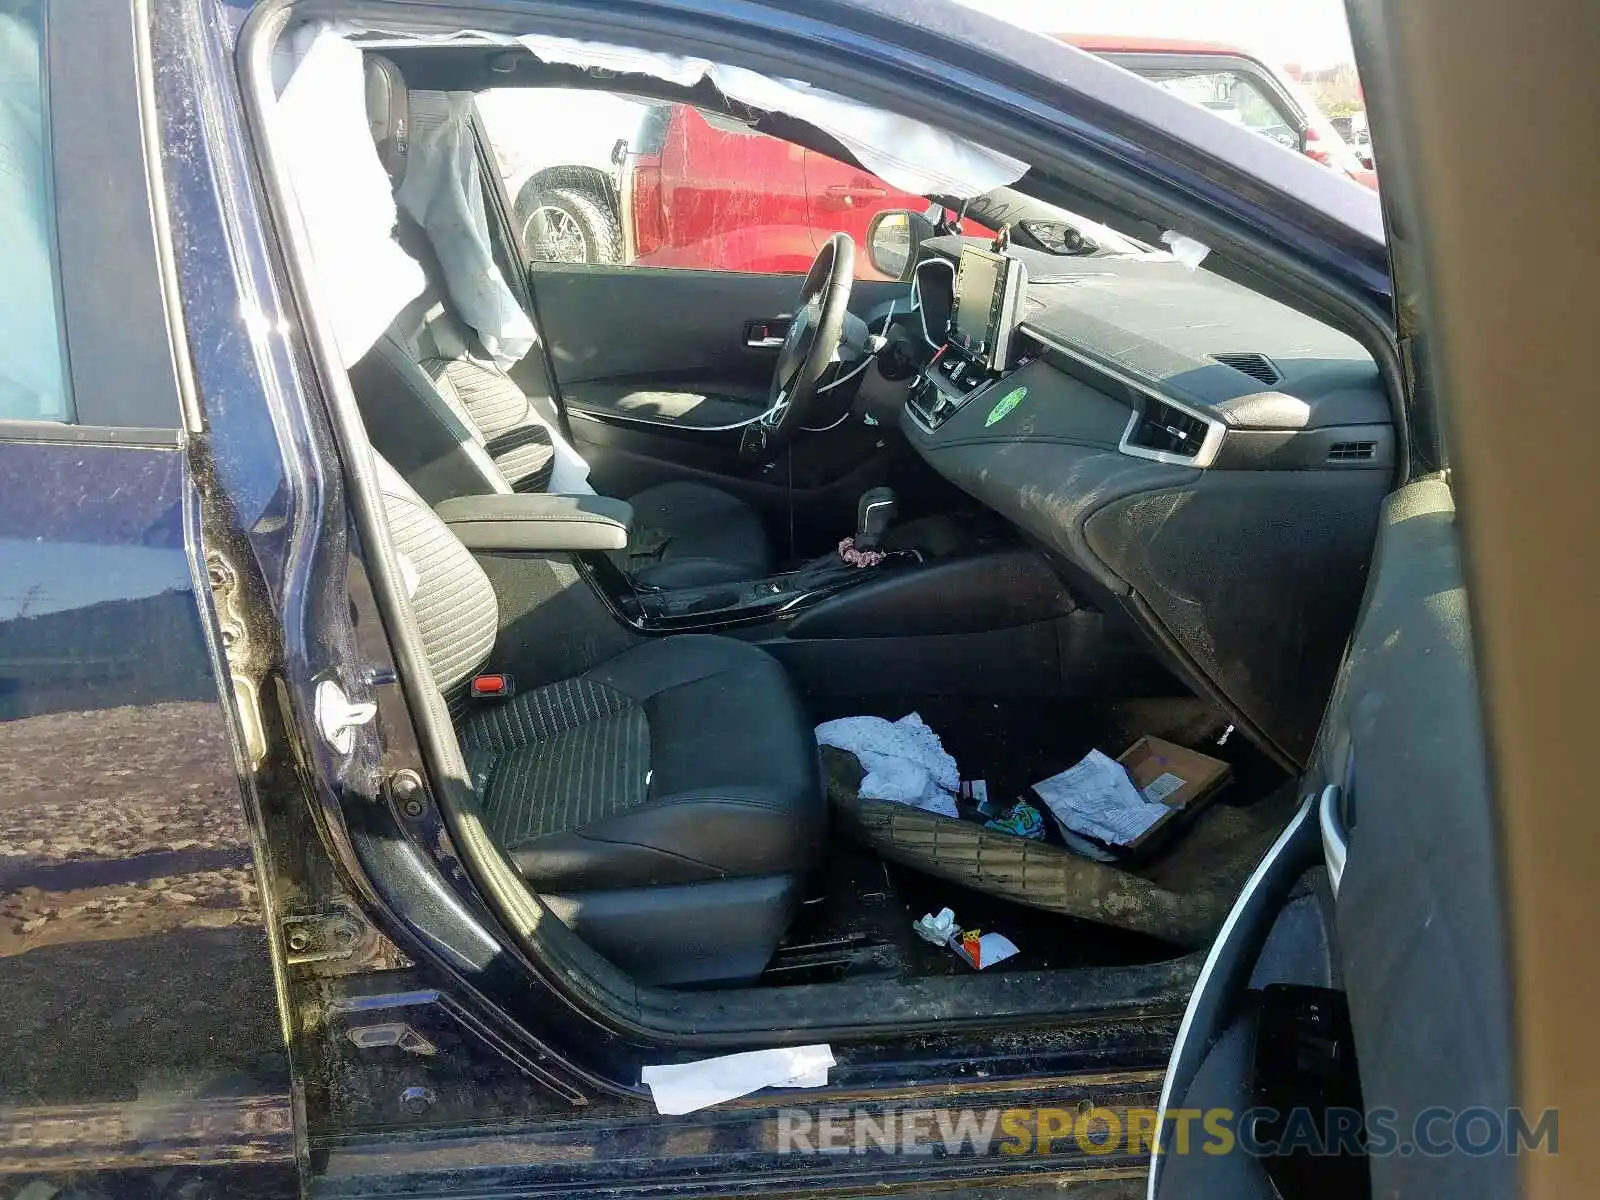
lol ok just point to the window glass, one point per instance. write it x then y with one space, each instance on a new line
1235 97
607 179
32 378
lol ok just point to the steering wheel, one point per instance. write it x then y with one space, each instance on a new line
807 349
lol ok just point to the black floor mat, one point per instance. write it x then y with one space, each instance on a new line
860 924
1014 745
861 927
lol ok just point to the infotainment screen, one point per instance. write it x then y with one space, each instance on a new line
986 289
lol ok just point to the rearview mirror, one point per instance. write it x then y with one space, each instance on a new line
893 239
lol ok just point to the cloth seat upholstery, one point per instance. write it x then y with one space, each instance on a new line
683 763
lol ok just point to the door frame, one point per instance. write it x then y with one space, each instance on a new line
1526 493
852 52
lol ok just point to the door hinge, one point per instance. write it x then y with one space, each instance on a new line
334 933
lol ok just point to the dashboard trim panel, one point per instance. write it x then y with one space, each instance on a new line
1215 429
961 400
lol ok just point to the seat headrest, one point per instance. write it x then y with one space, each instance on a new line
388 114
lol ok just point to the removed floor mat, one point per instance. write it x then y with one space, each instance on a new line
1181 896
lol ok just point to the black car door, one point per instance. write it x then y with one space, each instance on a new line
1398 838
1405 816
1405 801
141 1050
1398 796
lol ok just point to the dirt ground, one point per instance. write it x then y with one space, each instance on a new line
145 834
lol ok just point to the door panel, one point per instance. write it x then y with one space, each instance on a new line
658 379
1418 904
624 325
615 326
665 349
830 471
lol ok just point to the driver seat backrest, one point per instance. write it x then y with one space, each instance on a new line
436 405
454 423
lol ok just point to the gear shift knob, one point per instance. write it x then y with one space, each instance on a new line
875 512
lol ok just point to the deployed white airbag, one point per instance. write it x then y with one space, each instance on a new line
904 152
442 192
360 276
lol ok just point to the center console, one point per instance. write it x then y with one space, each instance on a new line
726 605
989 292
990 618
949 381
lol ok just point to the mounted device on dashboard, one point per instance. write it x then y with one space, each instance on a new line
989 289
985 310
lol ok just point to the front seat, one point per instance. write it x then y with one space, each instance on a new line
666 804
454 423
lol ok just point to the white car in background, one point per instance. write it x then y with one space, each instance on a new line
1237 86
559 155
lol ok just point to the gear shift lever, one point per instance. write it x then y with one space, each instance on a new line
874 514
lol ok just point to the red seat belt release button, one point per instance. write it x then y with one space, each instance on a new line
492 687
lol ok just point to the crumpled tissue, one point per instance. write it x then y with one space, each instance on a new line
904 760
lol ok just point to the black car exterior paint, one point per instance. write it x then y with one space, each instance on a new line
255 1040
141 1051
141 1025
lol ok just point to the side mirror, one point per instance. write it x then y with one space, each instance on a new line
893 239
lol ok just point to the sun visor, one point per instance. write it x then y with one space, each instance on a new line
904 152
360 276
443 193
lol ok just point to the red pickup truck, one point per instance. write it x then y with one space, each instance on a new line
705 192
698 190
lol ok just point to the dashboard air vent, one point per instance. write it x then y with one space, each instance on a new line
1352 451
1167 429
1258 366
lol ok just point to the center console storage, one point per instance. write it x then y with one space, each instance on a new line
721 605
987 620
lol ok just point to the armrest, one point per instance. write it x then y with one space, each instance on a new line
538 521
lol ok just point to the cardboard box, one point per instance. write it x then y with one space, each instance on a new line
1182 779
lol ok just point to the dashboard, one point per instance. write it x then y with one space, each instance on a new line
1199 456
